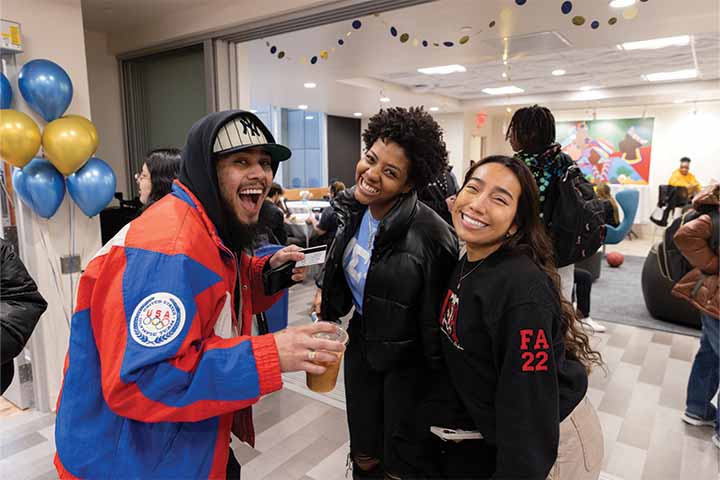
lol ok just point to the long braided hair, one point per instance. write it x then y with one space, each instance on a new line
532 129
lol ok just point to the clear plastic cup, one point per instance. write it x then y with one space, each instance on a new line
326 382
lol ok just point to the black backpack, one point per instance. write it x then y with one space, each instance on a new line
673 265
577 220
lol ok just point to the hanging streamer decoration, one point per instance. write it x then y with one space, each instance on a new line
420 39
566 7
315 57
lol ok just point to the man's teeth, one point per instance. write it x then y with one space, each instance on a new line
368 187
473 222
252 191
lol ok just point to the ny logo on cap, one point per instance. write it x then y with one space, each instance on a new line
239 132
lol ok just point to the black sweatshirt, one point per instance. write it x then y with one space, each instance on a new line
505 353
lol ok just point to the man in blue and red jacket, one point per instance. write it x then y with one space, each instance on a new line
161 366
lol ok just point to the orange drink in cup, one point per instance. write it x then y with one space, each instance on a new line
325 382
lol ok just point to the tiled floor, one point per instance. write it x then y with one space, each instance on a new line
301 435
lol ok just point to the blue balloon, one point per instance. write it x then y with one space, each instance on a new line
92 186
20 187
5 92
40 186
46 87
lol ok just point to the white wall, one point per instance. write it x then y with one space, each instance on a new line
53 30
105 105
453 125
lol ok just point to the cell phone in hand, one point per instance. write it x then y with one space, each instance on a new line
313 256
456 435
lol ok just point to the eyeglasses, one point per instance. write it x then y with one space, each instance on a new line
141 176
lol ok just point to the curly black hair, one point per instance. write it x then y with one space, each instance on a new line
418 134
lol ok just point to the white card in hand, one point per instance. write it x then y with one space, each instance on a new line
313 256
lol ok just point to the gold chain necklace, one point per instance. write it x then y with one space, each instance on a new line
463 277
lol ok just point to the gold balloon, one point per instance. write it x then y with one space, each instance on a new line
90 126
68 144
19 137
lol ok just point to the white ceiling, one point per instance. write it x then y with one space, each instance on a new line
541 39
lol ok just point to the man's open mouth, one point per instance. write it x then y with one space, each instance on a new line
251 197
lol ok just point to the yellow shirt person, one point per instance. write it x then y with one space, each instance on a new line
683 178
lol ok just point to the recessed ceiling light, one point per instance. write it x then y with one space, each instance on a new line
621 3
510 89
357 114
678 101
309 85
559 72
586 88
309 117
508 109
302 107
504 74
384 99
442 70
589 95
655 43
466 29
676 75
434 109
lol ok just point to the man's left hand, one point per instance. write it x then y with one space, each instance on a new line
290 253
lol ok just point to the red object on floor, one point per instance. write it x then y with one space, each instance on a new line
615 259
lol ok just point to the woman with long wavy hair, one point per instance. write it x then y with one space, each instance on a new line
517 359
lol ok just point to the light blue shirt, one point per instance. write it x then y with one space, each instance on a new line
356 259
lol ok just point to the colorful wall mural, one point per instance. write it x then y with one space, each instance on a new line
609 151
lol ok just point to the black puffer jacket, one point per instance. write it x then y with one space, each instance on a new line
20 308
413 256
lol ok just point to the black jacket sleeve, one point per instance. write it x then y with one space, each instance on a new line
527 395
436 277
278 226
20 303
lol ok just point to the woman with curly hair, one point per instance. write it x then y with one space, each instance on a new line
516 356
391 260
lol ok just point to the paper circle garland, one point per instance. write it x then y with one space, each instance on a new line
578 20
566 7
356 24
595 24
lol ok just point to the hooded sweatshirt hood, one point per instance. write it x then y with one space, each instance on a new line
198 173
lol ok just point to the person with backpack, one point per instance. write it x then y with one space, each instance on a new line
568 206
698 242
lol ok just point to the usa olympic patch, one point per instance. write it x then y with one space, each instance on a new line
157 320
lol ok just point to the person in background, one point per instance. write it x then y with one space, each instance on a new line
612 214
531 134
161 359
21 306
326 227
440 193
514 350
698 242
159 171
583 288
271 223
683 178
391 259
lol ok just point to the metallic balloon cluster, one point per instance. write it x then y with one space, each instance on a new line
69 143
